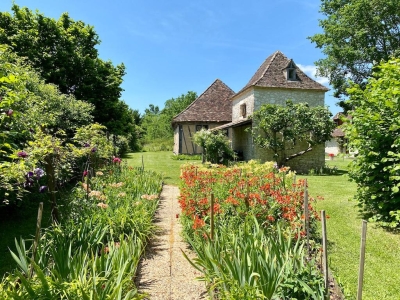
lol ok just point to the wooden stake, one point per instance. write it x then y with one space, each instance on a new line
247 195
37 235
306 217
324 251
212 216
142 164
362 260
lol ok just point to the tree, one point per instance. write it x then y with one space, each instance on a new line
63 52
375 133
291 128
157 123
357 35
174 106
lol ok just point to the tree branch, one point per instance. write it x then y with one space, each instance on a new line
298 154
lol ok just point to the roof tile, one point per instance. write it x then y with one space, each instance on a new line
211 106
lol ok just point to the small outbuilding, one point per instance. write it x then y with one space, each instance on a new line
211 109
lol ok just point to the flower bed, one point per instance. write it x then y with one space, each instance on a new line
94 253
257 248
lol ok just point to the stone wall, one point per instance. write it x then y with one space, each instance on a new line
245 98
314 159
279 96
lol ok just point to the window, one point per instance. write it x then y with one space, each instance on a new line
200 127
243 112
291 71
225 131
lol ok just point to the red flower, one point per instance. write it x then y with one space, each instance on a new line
116 160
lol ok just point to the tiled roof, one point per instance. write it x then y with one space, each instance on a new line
233 124
272 74
211 106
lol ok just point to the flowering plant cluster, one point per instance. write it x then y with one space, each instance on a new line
97 246
270 194
257 248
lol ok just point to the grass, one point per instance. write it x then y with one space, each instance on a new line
160 162
382 263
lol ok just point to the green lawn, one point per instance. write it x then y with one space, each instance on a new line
160 162
382 276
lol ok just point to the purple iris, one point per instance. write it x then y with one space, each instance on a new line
42 189
87 145
94 149
39 172
22 154
29 174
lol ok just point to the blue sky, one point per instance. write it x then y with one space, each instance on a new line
171 47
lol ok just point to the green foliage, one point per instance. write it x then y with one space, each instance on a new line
216 148
186 157
357 34
34 103
156 123
292 130
64 52
245 262
95 252
375 133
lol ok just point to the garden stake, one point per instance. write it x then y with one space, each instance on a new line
306 217
324 251
212 216
37 235
247 195
294 182
196 171
362 260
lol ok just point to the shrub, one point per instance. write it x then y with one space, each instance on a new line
216 148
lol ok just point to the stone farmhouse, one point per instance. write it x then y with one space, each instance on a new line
276 80
211 109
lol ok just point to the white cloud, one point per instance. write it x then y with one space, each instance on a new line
311 71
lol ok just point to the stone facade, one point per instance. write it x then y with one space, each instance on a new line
280 96
254 98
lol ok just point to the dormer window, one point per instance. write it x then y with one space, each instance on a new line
291 71
243 112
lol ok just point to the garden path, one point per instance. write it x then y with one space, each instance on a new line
164 273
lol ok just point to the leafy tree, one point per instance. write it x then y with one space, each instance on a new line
63 52
157 123
174 106
375 133
36 103
216 148
294 127
357 34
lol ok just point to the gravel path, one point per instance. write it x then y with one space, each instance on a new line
164 273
